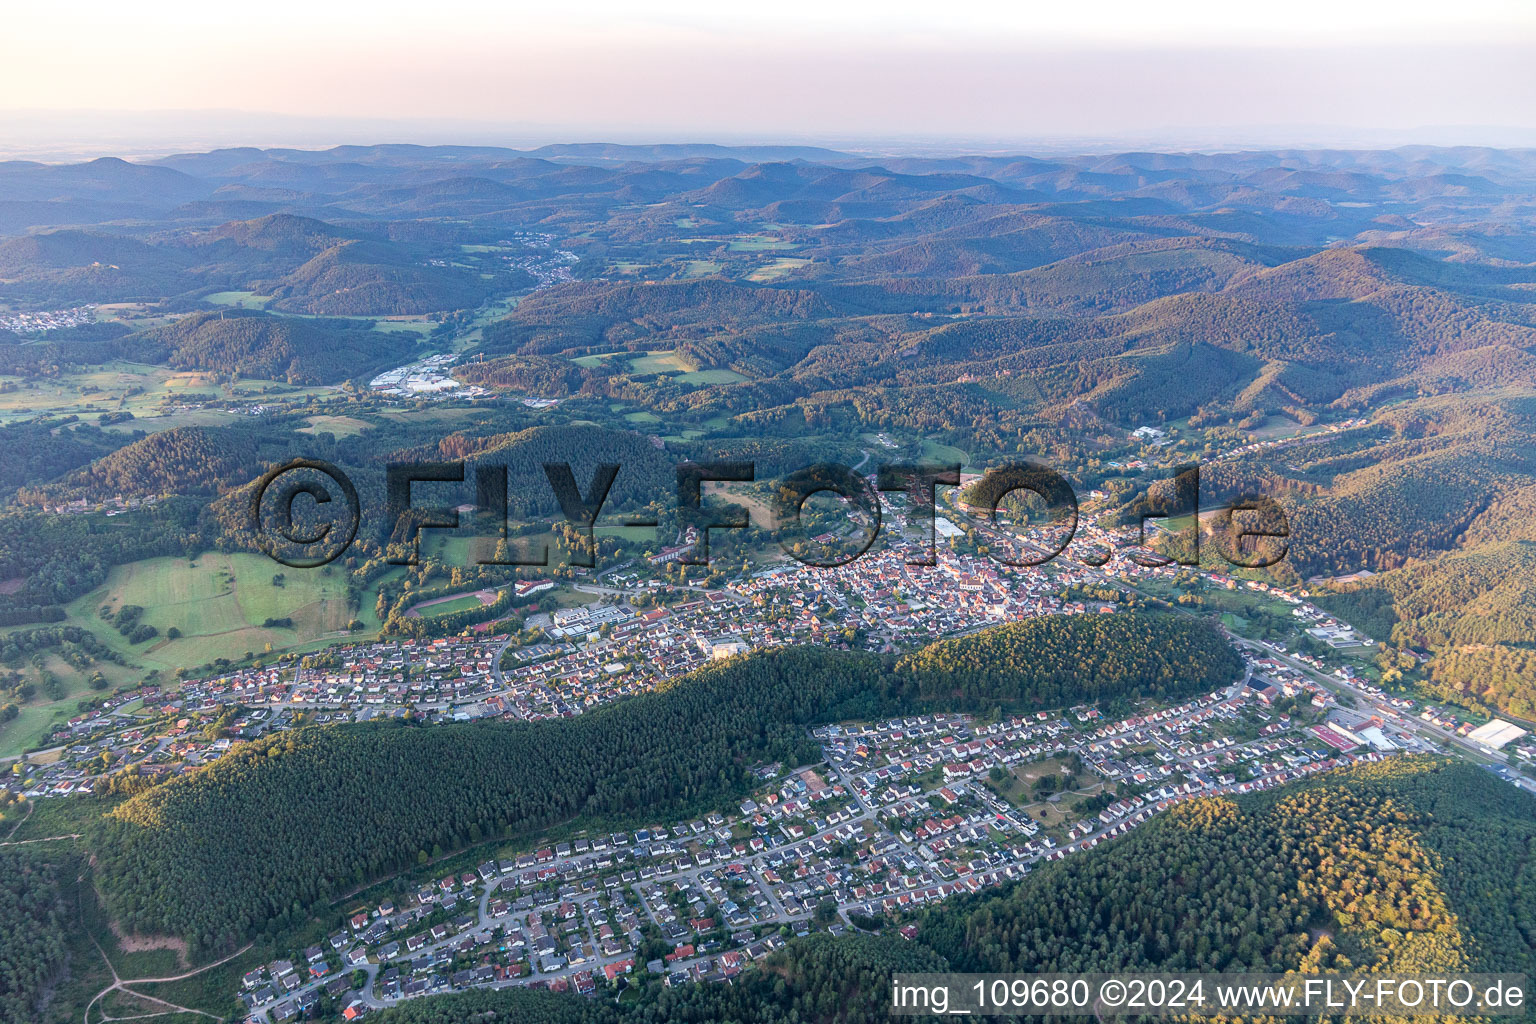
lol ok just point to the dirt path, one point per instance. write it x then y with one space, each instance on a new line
121 985
23 821
44 839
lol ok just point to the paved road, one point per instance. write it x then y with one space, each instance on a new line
1410 724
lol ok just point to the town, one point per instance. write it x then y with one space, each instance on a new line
896 815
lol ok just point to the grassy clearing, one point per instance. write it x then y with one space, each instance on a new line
944 453
760 513
1018 787
779 268
699 268
658 362
340 426
638 534
1276 427
458 547
760 243
219 602
34 723
248 300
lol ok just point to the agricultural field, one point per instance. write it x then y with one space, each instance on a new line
409 324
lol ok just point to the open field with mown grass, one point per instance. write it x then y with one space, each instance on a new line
218 602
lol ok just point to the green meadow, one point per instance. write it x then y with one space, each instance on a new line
218 601
249 300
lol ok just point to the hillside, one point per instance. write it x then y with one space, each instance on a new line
1058 660
65 267
374 278
249 343
1480 596
182 460
1408 865
1415 866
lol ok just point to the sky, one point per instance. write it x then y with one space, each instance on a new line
1163 74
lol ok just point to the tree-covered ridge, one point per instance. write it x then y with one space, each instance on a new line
40 451
1058 660
182 460
250 343
366 277
1425 476
33 948
1482 596
260 836
1492 678
1411 864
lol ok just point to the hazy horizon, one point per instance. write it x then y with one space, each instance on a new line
79 135
164 76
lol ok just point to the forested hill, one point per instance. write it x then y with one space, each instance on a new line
32 943
1410 864
265 834
1058 660
1474 609
1419 865
249 343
